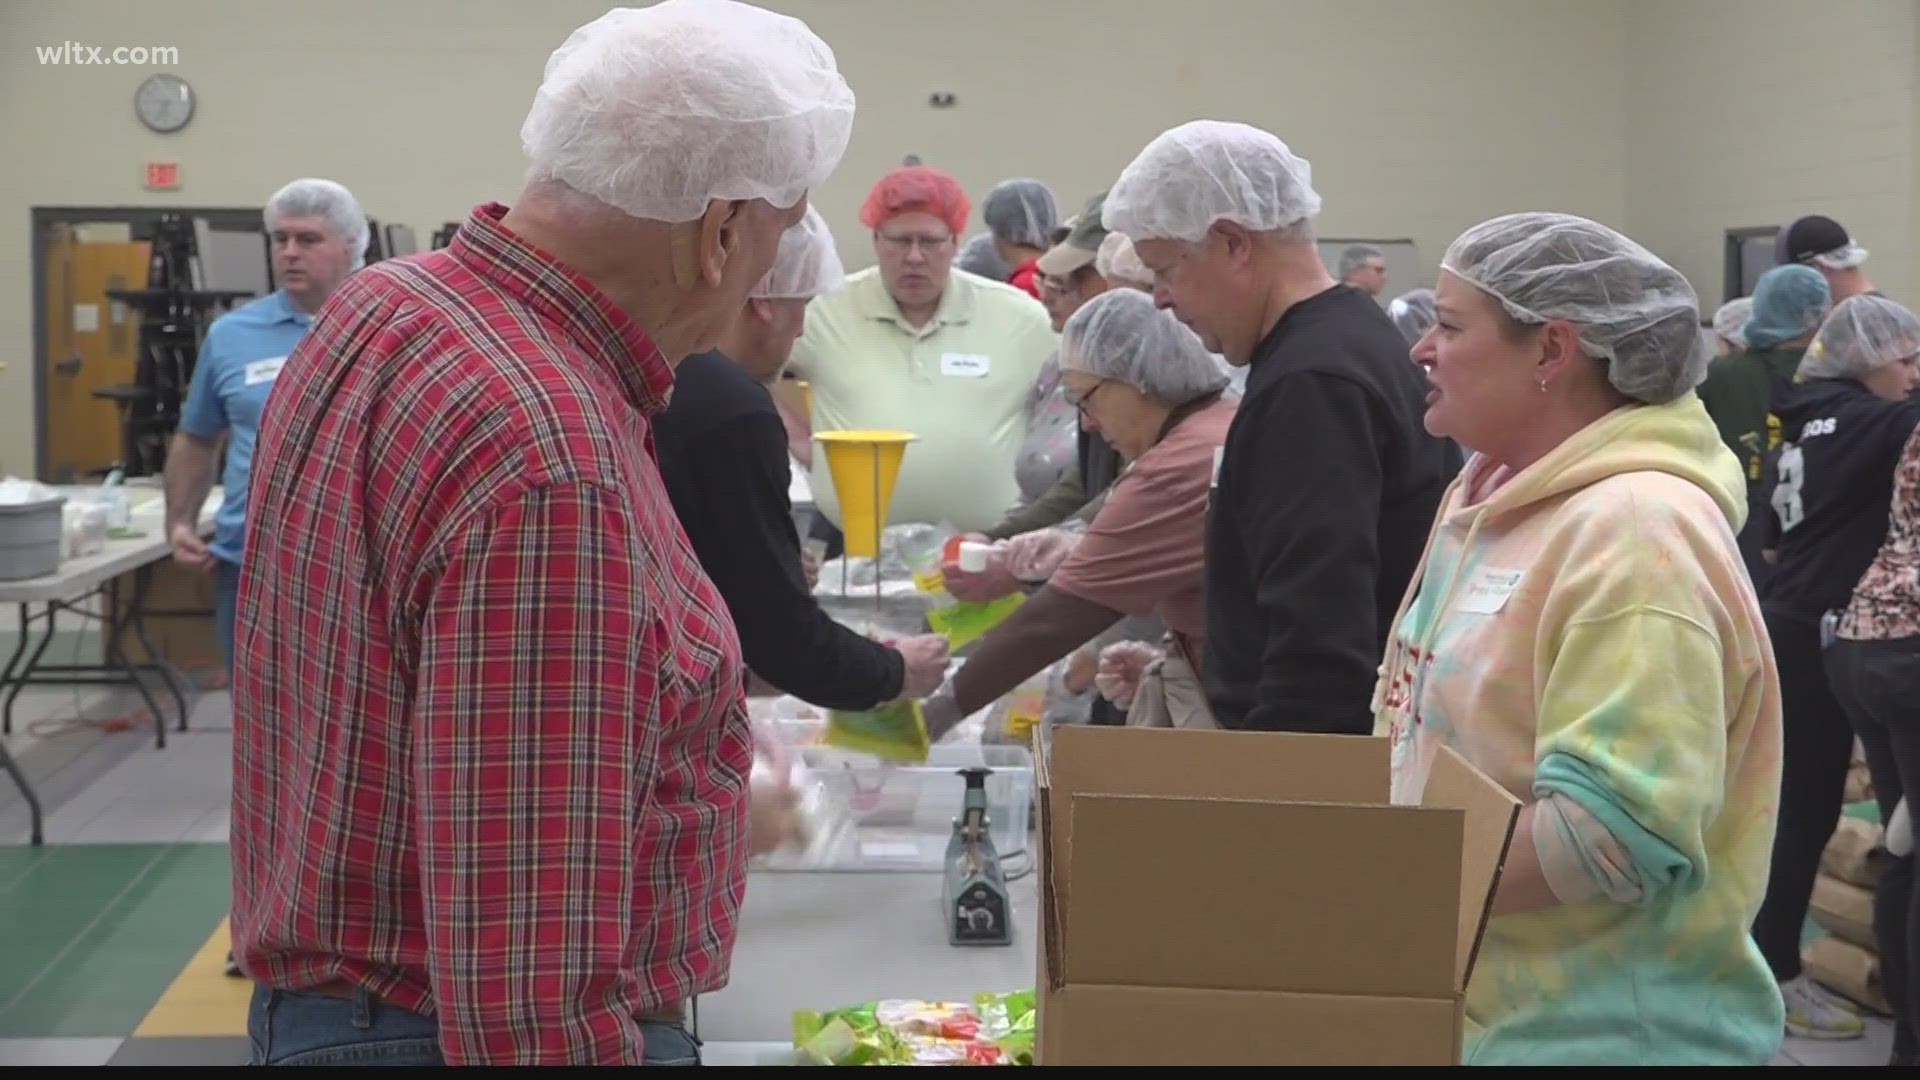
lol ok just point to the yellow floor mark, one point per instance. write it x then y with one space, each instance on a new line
203 1001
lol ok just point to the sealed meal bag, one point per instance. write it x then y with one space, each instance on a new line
903 1032
897 732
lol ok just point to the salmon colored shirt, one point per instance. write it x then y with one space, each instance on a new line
1145 552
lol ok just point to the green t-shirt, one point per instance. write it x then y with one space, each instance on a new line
1738 395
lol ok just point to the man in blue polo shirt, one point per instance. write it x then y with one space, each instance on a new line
319 237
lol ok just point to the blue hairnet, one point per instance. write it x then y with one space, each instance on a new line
1788 301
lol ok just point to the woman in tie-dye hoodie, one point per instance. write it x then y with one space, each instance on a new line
1582 630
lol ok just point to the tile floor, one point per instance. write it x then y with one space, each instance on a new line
124 905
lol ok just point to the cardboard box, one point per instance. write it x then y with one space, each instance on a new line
1847 970
1242 898
179 618
1844 910
1855 854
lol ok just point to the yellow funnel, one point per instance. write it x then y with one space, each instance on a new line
864 465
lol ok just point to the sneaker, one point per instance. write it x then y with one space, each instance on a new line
233 968
1815 1013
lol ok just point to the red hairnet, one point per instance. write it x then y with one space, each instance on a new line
917 189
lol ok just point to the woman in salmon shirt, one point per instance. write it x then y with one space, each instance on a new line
1149 387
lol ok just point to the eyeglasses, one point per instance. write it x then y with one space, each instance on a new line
1083 400
932 245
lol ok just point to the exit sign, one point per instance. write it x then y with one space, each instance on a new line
163 175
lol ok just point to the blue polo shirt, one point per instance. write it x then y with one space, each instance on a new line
238 363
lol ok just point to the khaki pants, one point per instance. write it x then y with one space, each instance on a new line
1170 695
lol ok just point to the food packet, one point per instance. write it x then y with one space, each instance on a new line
905 1032
896 731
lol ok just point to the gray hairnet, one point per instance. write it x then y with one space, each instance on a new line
1356 257
1864 333
1413 313
1730 321
658 111
1021 212
1206 171
979 256
1629 308
1120 335
310 197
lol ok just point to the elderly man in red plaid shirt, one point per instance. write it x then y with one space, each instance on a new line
490 743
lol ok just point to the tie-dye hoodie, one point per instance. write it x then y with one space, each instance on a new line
1585 633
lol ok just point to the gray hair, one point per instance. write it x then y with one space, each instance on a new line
1356 257
1120 335
310 197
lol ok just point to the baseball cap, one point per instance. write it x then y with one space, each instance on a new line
1081 244
1817 238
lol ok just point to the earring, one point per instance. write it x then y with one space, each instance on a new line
1543 386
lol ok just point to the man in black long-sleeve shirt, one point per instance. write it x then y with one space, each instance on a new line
1329 481
723 453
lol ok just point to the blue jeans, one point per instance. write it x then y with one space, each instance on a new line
289 1028
226 595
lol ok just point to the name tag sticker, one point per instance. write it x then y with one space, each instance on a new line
264 370
965 365
1487 592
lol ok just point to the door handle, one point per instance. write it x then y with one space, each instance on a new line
68 367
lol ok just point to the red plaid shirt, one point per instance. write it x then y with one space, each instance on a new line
490 743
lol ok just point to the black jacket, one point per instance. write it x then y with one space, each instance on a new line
723 452
1832 489
1324 498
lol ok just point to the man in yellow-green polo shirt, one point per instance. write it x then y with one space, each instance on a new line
913 345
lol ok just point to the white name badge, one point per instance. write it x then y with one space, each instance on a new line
965 365
1487 593
264 370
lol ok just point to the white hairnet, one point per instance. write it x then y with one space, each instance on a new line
1730 321
1863 334
1120 335
1117 262
1021 212
658 111
807 265
1413 313
311 197
1207 171
1630 309
1845 258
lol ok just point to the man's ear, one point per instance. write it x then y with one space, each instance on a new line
761 309
719 238
1237 239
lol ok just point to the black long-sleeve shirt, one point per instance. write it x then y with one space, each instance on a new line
1324 497
723 452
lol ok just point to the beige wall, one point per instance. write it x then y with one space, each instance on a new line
1754 112
1409 110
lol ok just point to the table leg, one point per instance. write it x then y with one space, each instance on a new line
117 658
136 617
33 800
26 673
19 650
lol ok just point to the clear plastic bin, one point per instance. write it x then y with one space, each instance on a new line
902 815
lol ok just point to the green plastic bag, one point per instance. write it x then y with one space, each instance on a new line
964 623
897 732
